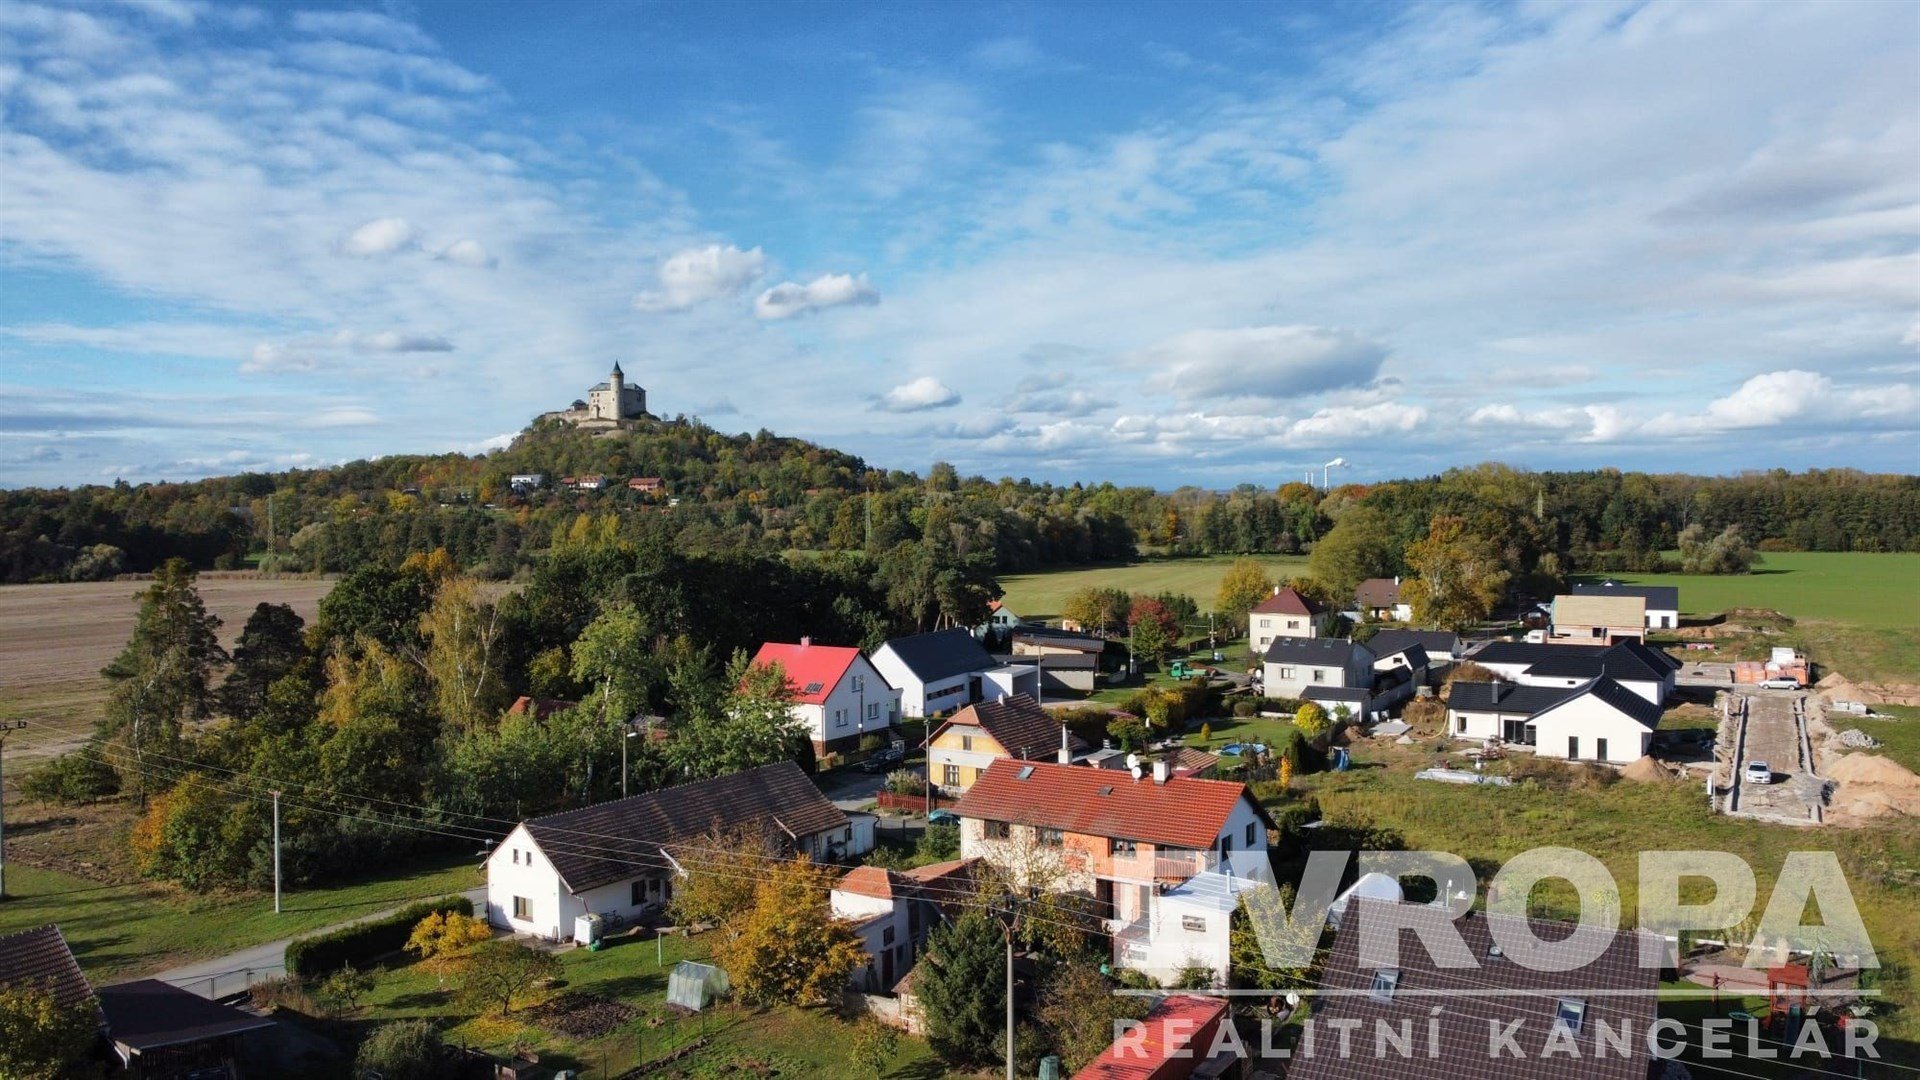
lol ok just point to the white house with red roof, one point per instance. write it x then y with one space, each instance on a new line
838 693
1164 857
1287 613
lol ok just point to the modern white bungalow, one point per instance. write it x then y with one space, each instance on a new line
1600 720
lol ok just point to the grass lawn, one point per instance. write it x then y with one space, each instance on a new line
1899 738
1040 595
780 1041
120 931
1856 613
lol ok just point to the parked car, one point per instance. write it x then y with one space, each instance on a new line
1759 772
1780 684
883 760
943 817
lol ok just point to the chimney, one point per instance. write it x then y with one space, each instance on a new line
1066 752
1497 684
1160 771
805 641
1276 590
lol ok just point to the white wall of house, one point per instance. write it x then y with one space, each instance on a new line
1662 618
1008 680
1655 691
919 698
1185 931
884 929
523 889
861 702
1262 628
1291 679
1590 721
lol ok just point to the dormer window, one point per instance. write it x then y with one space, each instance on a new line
1569 1015
1385 982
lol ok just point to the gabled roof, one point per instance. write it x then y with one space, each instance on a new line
1178 1030
1435 642
1617 697
1626 660
1061 639
1658 597
1287 601
1186 759
1017 723
1495 991
1183 812
1325 651
149 1014
1502 697
814 670
41 957
1051 661
617 840
1530 652
1377 592
540 707
1603 610
941 654
1415 655
874 881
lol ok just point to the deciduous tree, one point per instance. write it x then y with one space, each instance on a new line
1078 1008
1359 546
787 947
461 631
500 973
41 1039
1457 577
1244 584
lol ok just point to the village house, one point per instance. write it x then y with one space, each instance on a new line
1156 852
1287 613
1599 720
946 669
1069 661
1662 601
1378 599
1471 989
1443 647
964 744
646 485
1645 670
1174 1041
1001 620
621 857
1598 620
839 696
892 911
1295 665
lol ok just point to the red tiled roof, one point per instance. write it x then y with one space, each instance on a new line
873 881
541 708
1287 602
814 670
1183 812
1179 1023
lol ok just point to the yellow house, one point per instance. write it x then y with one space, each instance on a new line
962 747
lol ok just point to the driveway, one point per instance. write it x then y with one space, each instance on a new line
849 789
224 976
1773 735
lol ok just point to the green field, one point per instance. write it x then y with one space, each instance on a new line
119 931
1039 596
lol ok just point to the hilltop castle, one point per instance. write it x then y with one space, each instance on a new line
608 405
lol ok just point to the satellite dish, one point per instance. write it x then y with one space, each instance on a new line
1293 999
1135 770
1133 762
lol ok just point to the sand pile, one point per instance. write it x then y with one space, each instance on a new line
1645 771
1873 786
1837 687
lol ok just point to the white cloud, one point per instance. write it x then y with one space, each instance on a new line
382 236
365 25
697 275
1767 400
788 298
1263 362
923 393
1342 424
467 253
270 358
342 416
395 341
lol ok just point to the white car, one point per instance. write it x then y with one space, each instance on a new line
1759 772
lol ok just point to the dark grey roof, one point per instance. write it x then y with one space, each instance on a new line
1065 639
1480 697
1531 652
1336 693
1052 661
1627 660
1485 991
940 654
1619 698
1662 597
41 957
149 1014
1018 724
1331 651
1435 642
617 840
1415 655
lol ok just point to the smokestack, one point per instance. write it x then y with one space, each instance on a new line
1160 771
1066 752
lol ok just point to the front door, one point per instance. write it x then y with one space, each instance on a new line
1600 750
1573 747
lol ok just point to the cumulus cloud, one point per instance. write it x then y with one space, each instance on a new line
697 275
1766 400
1341 423
789 298
1263 362
923 393
467 253
381 236
1590 423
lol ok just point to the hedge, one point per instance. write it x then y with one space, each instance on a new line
363 943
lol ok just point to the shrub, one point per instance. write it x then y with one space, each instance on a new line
342 989
938 844
1426 714
71 779
906 782
439 936
1311 719
403 1050
870 743
1245 708
1127 730
363 943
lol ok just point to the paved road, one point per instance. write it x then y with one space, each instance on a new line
222 976
1773 736
849 789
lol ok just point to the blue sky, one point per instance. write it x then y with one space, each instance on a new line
1168 244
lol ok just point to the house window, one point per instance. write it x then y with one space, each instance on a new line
1049 837
886 936
1517 732
1570 1014
1125 848
1293 624
1319 674
639 893
1287 673
1385 982
1573 747
859 683
999 830
1193 924
873 711
950 775
522 908
847 836
966 742
1250 828
516 856
1461 725
839 718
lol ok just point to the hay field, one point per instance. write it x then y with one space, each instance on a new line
54 639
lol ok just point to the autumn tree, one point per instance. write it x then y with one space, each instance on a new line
1359 546
41 1039
1245 584
720 871
615 655
1311 719
1727 553
161 680
1096 610
874 1044
1078 1008
461 656
787 947
502 972
1456 576
442 936
1155 632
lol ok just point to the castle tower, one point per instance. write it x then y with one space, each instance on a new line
616 392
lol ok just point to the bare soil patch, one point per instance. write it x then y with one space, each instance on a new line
582 1016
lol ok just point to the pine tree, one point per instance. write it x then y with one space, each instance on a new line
962 987
162 679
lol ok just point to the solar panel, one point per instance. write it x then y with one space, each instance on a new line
813 688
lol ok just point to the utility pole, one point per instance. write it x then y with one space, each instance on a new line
276 853
1009 916
623 760
7 727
